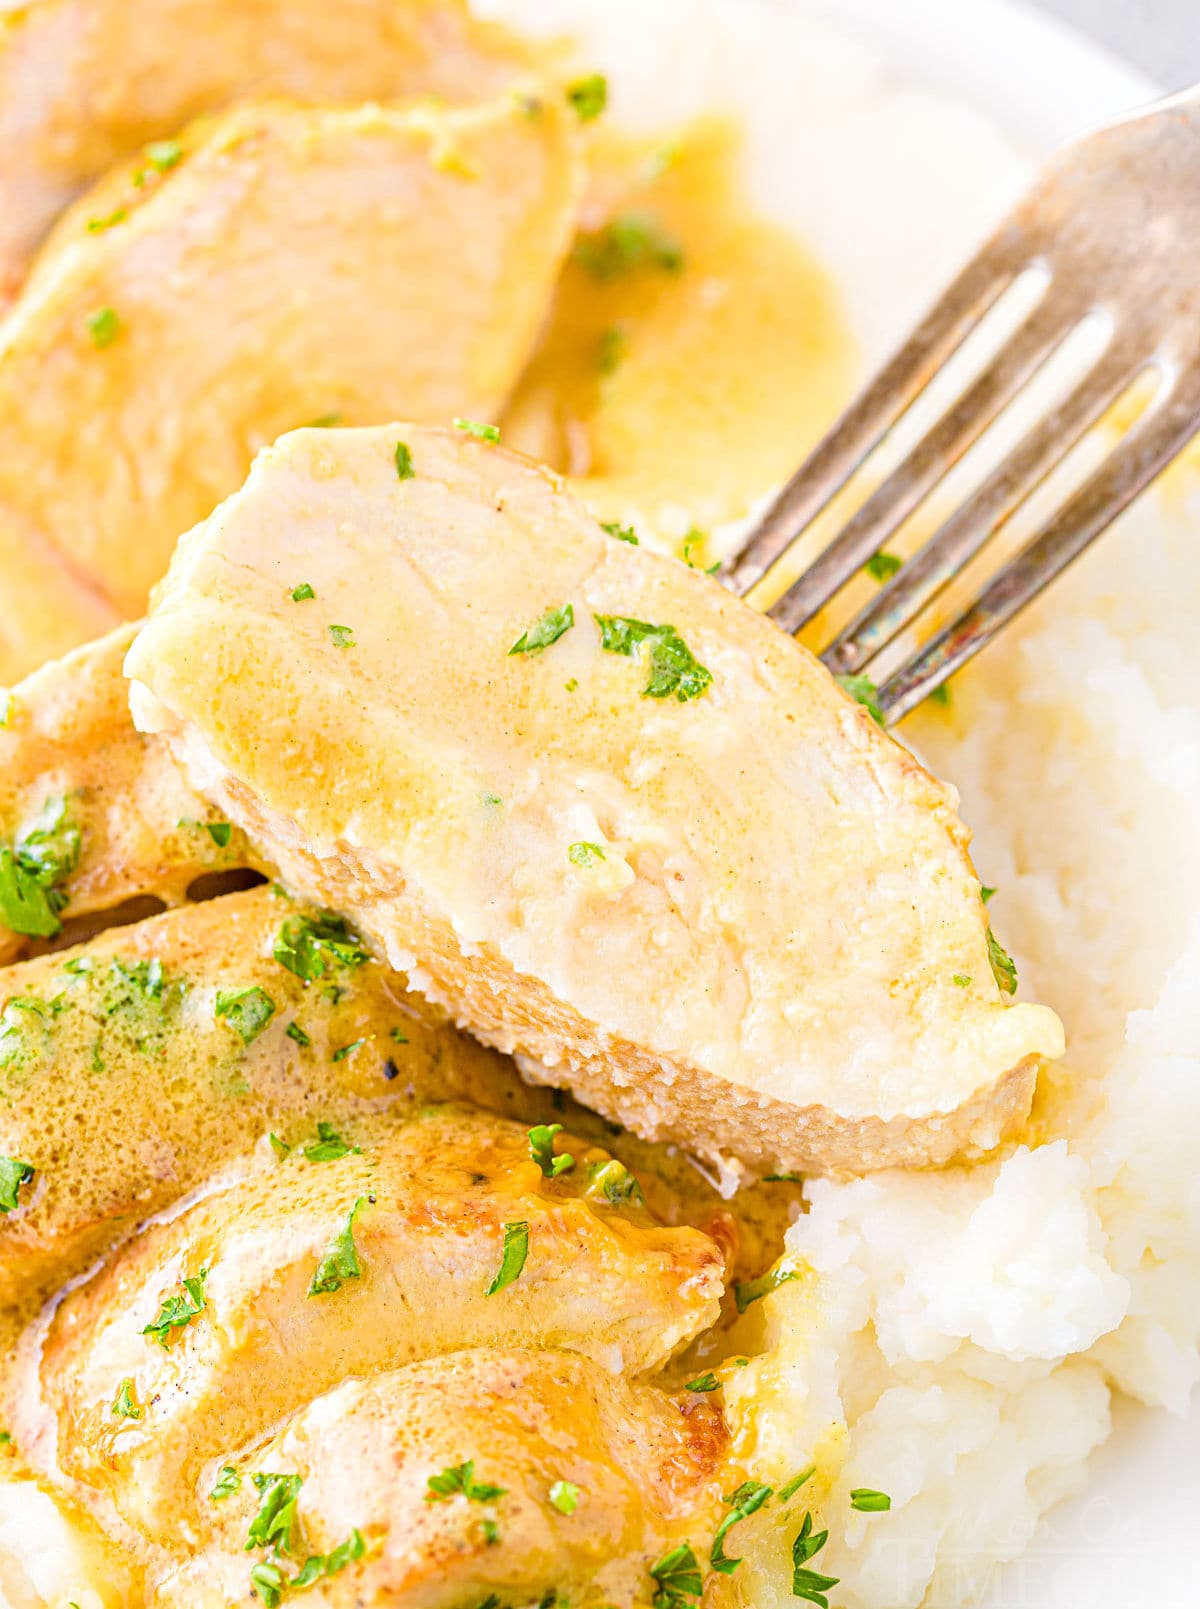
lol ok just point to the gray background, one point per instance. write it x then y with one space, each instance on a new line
1160 36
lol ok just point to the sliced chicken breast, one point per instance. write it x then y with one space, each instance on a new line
505 1477
334 1261
137 1066
84 83
50 607
291 264
606 813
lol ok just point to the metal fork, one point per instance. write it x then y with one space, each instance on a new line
1114 225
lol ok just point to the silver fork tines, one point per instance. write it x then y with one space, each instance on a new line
1113 226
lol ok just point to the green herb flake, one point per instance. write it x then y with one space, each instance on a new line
678 1576
103 326
698 539
320 1566
295 1032
703 1382
754 1290
97 226
628 243
986 894
941 695
548 628
325 421
1004 968
564 1496
459 1480
611 349
623 533
13 1174
783 1178
339 1261
272 1526
962 980
404 463
125 1407
220 832
541 1149
229 1481
341 1053
790 1488
342 636
585 854
612 1181
268 1582
399 1036
808 1584
748 1499
164 154
868 1501
303 592
472 427
329 1146
491 1532
178 1311
882 566
32 870
310 946
674 671
512 1260
247 1011
863 691
280 1147
589 96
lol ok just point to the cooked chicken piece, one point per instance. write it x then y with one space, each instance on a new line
83 83
112 808
292 264
552 1481
48 607
135 1067
51 1556
324 1265
687 876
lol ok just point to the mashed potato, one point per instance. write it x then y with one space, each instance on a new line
972 1324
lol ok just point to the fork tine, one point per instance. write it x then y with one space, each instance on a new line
1137 461
886 400
907 487
936 564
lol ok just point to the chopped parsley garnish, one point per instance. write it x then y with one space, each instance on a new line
472 427
585 854
882 566
325 421
541 1149
589 96
808 1584
97 226
13 1174
962 980
310 946
124 1407
868 1501
748 1499
613 1182
863 691
703 1382
342 636
280 1147
627 243
673 668
229 1481
697 538
303 592
268 1581
272 1526
986 893
220 832
753 1290
164 154
940 694
404 463
31 900
339 1261
178 1311
1004 968
564 1496
103 326
459 1480
546 629
491 1532
247 1011
789 1490
614 341
623 533
294 1031
328 1146
678 1576
343 1051
782 1178
512 1259
399 1036
320 1566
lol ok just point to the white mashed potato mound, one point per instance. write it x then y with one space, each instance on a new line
971 1324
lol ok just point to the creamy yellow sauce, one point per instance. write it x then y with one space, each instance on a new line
678 385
